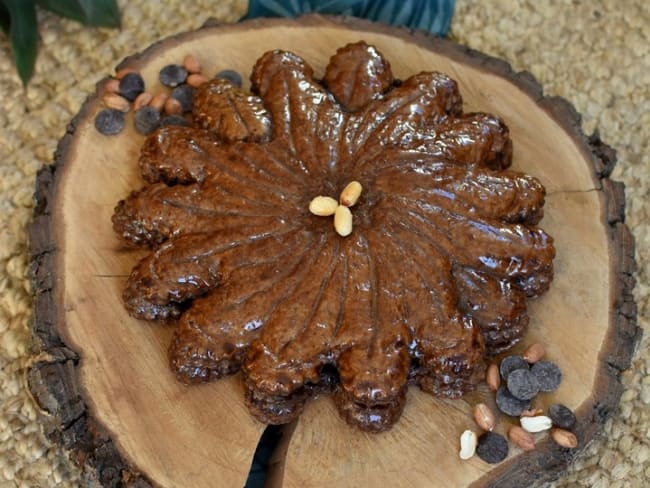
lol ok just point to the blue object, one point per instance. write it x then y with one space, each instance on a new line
431 15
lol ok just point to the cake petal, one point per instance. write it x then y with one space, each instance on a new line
374 370
502 249
474 139
374 164
187 267
447 346
357 74
372 394
241 185
508 195
214 334
254 173
294 342
159 212
230 113
497 307
305 116
422 101
175 154
273 62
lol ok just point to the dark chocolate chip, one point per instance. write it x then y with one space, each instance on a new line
492 447
230 75
146 119
174 120
562 416
522 384
131 86
109 121
510 364
510 405
548 375
185 95
172 75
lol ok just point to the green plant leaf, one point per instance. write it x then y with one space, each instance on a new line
23 33
4 18
432 15
98 13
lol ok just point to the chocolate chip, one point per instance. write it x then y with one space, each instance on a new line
522 384
561 416
230 75
146 119
174 120
510 405
172 75
492 448
131 86
548 375
185 95
510 364
109 121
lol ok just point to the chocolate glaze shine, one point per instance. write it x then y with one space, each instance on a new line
435 275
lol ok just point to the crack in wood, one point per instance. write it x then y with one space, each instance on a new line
569 192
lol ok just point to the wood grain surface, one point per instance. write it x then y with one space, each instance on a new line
117 406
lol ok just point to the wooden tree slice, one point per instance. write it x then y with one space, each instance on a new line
104 377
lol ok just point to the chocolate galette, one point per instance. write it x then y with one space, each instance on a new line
444 251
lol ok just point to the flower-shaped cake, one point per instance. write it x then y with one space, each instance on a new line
434 276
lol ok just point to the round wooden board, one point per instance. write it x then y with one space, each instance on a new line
105 380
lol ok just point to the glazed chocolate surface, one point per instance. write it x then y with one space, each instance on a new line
444 252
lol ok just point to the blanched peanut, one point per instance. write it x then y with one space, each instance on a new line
343 221
351 193
323 206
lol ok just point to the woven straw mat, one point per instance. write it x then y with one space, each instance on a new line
595 54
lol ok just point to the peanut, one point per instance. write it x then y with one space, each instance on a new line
141 100
492 377
123 72
534 353
196 80
113 100
350 194
468 441
112 85
191 64
564 438
173 106
158 101
343 221
532 412
323 206
484 417
520 438
536 424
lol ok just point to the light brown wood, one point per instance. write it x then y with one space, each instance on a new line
176 435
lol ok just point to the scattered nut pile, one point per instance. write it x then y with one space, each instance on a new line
516 381
326 206
126 91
